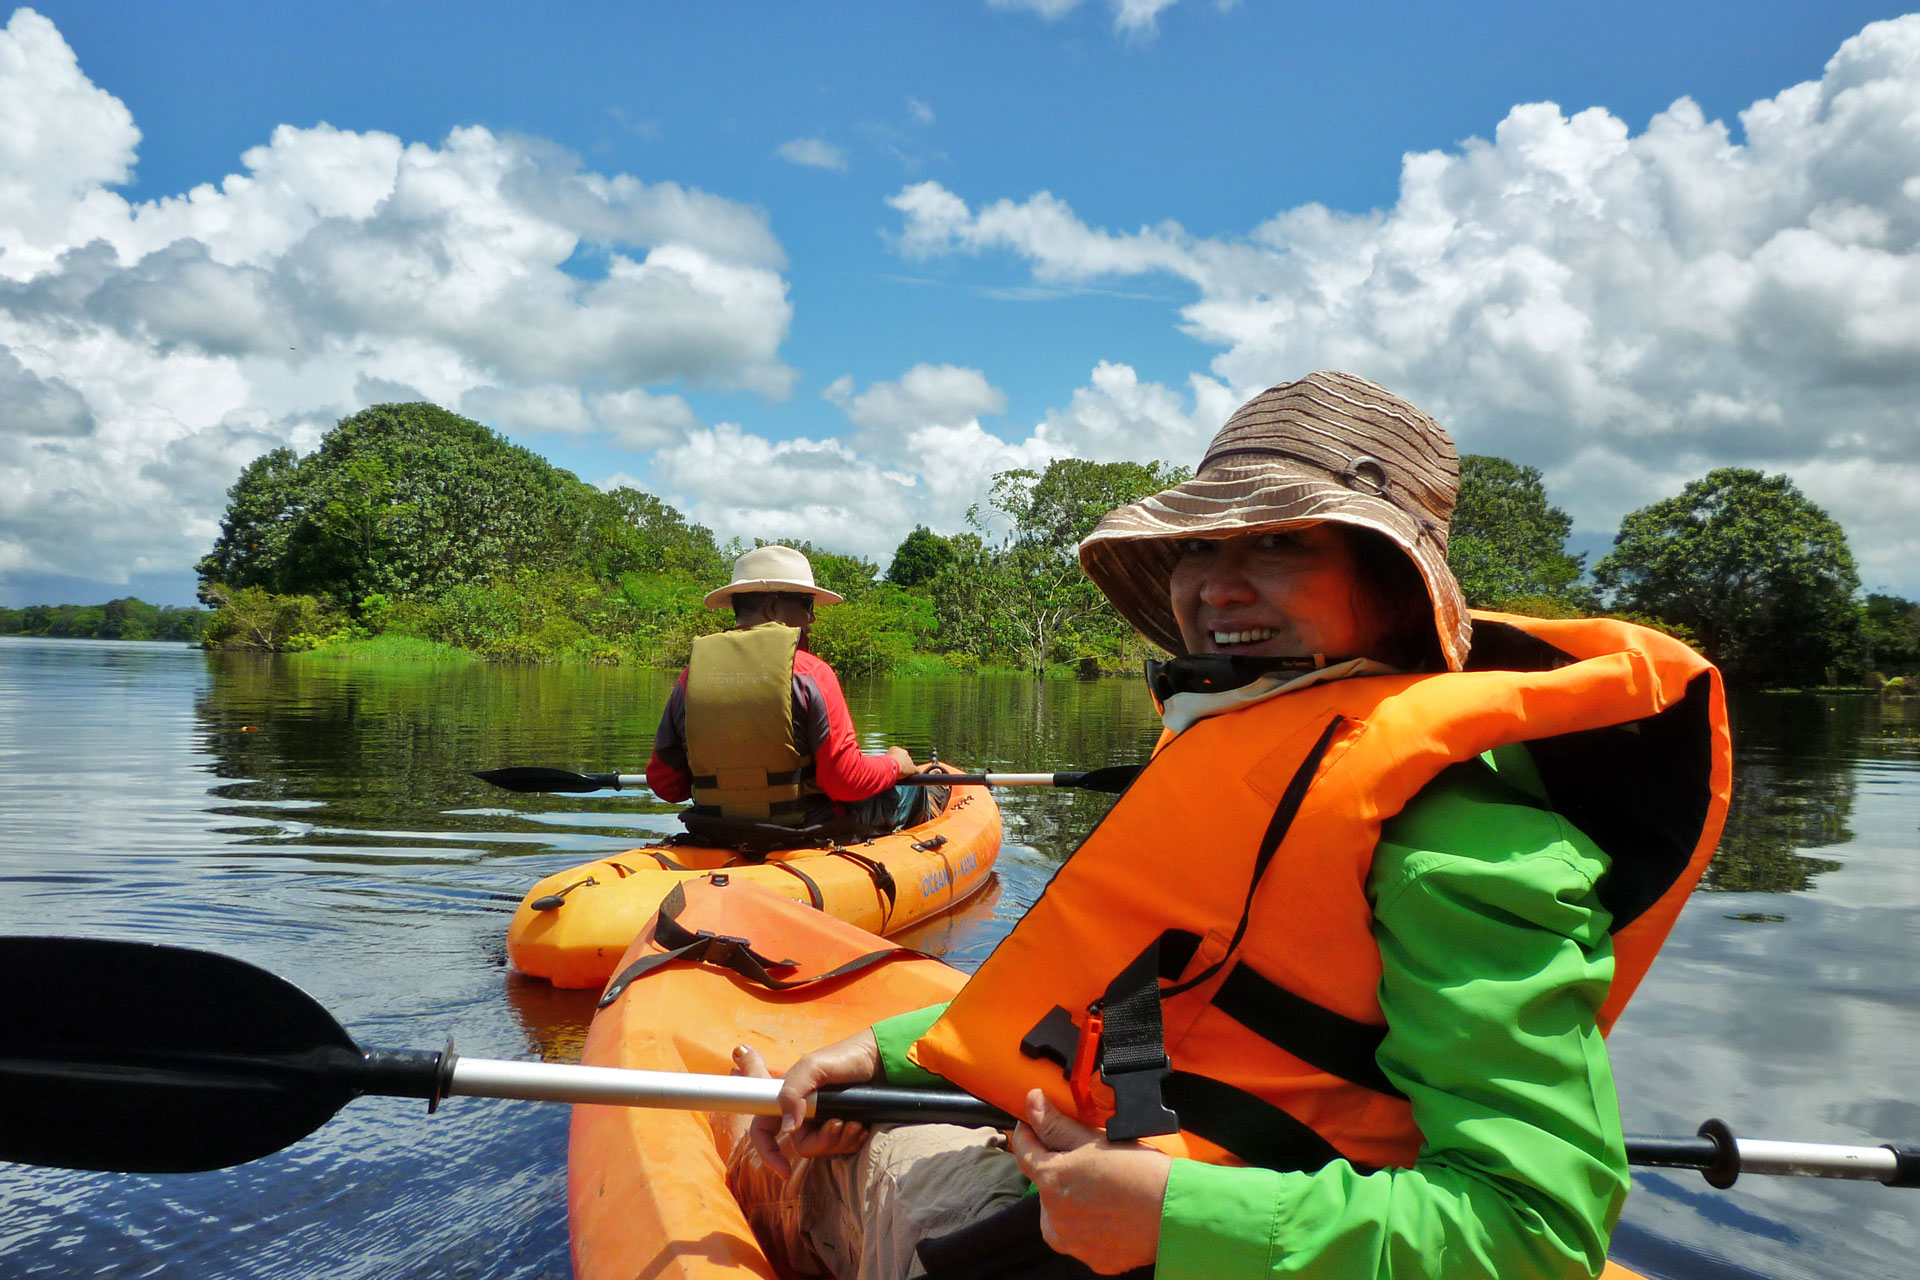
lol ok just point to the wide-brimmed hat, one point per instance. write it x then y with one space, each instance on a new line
1330 447
781 570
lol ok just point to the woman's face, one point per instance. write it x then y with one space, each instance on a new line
1273 595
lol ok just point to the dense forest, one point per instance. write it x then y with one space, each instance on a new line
412 529
124 619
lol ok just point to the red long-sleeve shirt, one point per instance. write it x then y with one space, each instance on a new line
822 725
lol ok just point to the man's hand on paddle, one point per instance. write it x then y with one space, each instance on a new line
784 1138
1099 1201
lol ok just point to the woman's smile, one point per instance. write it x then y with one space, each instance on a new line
1281 594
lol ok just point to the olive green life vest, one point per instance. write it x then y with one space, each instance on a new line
741 744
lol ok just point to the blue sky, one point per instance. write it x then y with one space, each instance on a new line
817 271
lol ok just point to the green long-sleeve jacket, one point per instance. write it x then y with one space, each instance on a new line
1495 960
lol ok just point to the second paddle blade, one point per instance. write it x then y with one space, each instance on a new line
529 777
151 1059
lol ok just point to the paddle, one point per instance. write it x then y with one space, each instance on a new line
143 1058
1113 779
529 777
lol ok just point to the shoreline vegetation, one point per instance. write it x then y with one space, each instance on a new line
412 534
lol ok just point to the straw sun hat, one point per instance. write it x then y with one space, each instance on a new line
776 569
1329 447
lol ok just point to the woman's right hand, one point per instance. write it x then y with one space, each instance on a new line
789 1136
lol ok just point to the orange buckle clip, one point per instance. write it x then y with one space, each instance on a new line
1086 1060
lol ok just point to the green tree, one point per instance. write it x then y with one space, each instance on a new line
1026 596
1762 576
263 509
635 532
919 558
1506 541
400 500
255 618
1890 627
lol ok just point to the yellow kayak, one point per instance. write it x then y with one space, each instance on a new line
573 926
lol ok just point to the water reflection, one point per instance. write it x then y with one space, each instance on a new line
317 818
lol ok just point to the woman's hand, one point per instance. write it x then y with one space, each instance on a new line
902 761
1100 1201
784 1138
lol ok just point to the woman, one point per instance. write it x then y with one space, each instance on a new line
1343 955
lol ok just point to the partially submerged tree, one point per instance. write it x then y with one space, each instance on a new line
1760 575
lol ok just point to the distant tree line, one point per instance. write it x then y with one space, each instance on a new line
411 521
127 618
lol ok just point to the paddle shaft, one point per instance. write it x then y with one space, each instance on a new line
988 780
874 1104
1112 779
678 1090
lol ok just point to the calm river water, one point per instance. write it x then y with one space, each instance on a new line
316 818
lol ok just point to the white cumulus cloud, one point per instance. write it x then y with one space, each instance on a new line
815 153
829 492
149 349
926 395
1623 310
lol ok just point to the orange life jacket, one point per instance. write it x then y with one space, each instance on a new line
1230 880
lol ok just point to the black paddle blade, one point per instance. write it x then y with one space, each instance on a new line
528 777
150 1059
1113 779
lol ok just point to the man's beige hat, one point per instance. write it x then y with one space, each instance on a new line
777 569
1328 447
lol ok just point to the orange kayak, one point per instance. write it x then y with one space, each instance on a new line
589 913
647 1191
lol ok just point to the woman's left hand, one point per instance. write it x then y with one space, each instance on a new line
1099 1201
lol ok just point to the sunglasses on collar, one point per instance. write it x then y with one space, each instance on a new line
1219 672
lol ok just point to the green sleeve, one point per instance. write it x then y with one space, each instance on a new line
1495 960
895 1036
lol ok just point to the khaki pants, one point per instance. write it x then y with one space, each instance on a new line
860 1216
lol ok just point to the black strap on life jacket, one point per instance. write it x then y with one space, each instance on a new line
737 955
1316 1035
785 778
1133 1051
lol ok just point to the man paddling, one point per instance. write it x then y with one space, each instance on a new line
757 730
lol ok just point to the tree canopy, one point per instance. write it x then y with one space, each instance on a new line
1507 542
1891 630
919 558
1024 593
413 521
402 499
1759 574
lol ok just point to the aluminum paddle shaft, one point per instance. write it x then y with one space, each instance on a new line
677 1090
